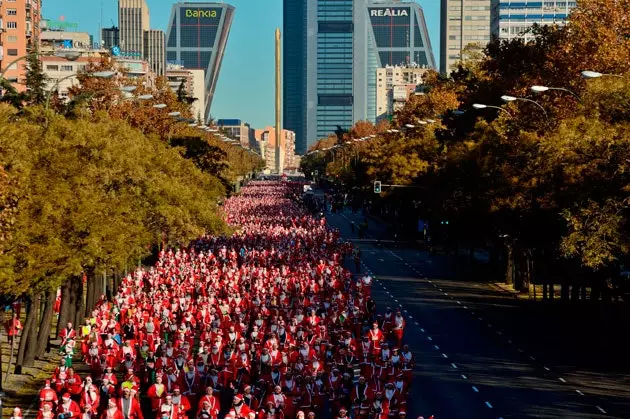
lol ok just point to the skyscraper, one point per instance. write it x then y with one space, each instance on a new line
332 50
110 37
133 20
463 22
154 50
511 19
196 39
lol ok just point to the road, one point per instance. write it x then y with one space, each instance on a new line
477 355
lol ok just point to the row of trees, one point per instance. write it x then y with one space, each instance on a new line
90 187
548 181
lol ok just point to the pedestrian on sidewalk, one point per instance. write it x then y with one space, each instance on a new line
13 327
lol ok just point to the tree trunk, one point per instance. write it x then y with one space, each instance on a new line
31 343
91 292
79 304
28 331
64 310
509 272
45 324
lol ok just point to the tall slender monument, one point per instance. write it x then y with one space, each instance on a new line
279 138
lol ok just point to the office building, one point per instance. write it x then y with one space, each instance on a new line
196 39
395 84
110 37
19 34
237 130
133 21
463 22
511 19
194 86
135 68
332 50
154 50
266 139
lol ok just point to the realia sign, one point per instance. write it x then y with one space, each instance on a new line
200 13
389 12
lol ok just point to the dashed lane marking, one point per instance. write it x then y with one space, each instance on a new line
579 392
489 405
444 356
422 330
475 389
600 409
532 358
429 338
454 365
562 379
464 377
546 368
437 348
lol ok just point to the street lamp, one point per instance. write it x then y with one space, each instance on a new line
508 98
145 97
482 106
160 106
410 125
587 74
98 74
542 89
176 113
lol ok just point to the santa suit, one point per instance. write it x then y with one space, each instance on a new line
69 408
183 405
73 384
48 395
278 400
156 394
190 382
65 334
90 397
215 406
398 329
46 415
241 411
133 410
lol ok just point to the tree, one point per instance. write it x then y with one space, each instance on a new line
35 80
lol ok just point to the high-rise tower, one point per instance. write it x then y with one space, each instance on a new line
196 39
133 20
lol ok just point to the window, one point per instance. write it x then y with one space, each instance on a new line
13 52
51 67
66 68
11 25
11 12
12 38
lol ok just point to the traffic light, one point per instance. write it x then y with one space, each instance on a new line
377 186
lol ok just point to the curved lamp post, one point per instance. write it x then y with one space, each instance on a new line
587 74
542 89
479 106
508 98
98 74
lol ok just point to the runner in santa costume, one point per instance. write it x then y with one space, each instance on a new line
112 411
168 410
46 411
67 333
89 395
213 404
17 413
74 384
204 411
376 337
398 328
182 402
129 406
156 394
239 409
68 408
47 395
59 376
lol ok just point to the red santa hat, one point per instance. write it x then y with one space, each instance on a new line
176 388
47 383
238 397
17 412
66 396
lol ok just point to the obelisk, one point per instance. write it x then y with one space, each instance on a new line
278 162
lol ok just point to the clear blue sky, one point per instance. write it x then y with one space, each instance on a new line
246 84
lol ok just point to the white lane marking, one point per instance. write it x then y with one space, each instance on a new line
562 379
429 338
546 368
509 341
520 350
489 405
600 409
395 300
437 348
453 365
466 307
490 325
532 358
459 302
464 377
475 389
411 317
405 311
417 324
579 392
422 330
499 332
480 318
444 355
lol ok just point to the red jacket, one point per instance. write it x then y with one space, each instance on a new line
135 412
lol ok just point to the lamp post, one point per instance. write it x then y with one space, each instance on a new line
98 74
68 55
587 74
542 89
482 106
508 98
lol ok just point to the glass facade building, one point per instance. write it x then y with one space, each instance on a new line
332 50
196 39
512 19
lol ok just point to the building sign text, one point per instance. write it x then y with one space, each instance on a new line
389 12
198 13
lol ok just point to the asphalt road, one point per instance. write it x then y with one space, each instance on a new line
474 360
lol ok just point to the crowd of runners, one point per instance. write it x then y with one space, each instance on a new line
266 323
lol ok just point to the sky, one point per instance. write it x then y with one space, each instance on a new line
245 89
